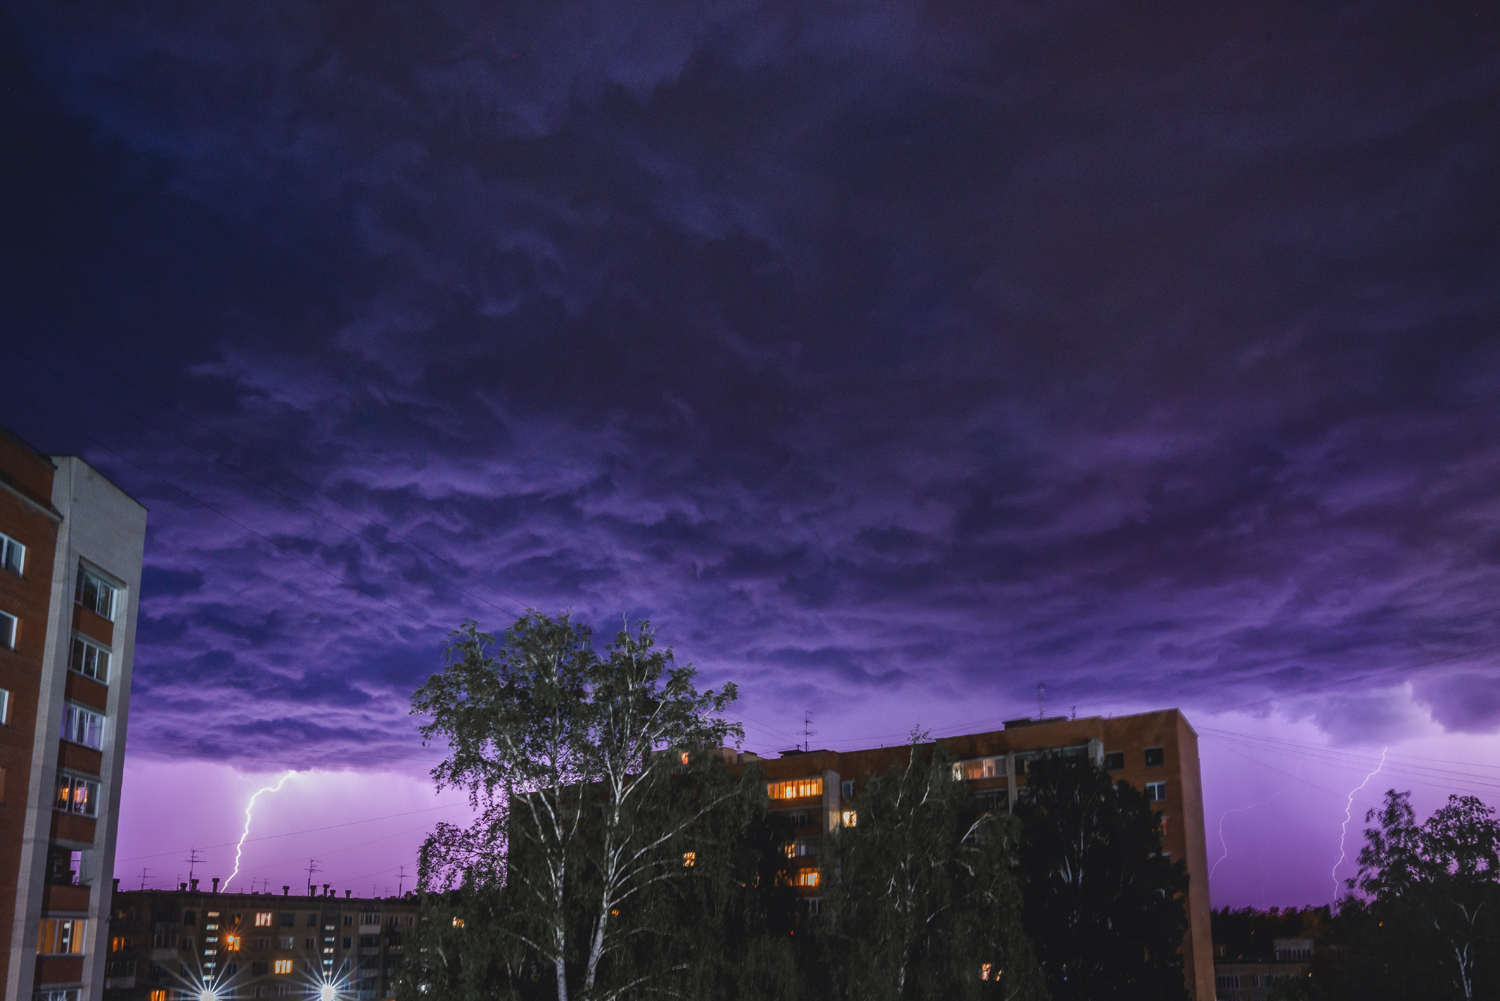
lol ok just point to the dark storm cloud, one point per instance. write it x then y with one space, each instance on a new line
872 350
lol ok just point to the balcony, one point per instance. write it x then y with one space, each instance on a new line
57 897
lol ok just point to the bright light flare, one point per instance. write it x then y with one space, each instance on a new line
1344 831
249 810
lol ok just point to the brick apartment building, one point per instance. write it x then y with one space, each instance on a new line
70 571
166 945
1156 752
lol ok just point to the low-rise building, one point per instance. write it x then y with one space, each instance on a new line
176 945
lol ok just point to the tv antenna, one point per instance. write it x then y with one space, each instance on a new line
193 859
807 731
1041 702
400 880
144 870
312 867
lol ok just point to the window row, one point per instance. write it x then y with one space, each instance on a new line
795 788
96 594
89 659
978 768
1155 757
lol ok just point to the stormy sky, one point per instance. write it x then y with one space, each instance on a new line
891 358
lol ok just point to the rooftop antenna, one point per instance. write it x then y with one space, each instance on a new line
1075 712
312 867
193 859
807 731
1041 702
400 880
144 870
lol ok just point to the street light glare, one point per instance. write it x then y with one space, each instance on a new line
328 993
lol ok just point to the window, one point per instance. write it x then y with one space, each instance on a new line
794 788
984 970
90 660
847 789
348 920
978 768
158 996
370 918
849 818
163 941
232 943
67 994
800 847
95 595
1156 792
1114 761
119 944
806 877
1021 765
76 794
288 920
1164 819
1227 981
283 966
83 726
1155 756
312 921
262 944
309 943
689 859
12 554
263 919
8 630
458 922
287 942
348 941
4 706
60 937
189 917
799 818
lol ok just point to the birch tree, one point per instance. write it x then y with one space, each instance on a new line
1428 922
920 898
586 772
1103 907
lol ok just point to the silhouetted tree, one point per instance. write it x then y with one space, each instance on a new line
920 899
1104 909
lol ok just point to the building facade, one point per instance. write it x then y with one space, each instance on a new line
71 546
187 944
1156 752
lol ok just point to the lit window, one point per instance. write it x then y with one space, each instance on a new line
83 726
76 794
12 554
850 818
95 595
282 966
798 848
232 943
978 768
984 971
263 919
806 877
60 937
90 660
688 858
1156 792
684 757
7 630
458 922
794 788
158 996
119 944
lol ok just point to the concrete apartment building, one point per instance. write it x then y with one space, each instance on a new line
1156 752
166 945
1243 979
70 572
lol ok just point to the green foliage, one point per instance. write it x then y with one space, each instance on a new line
1248 933
585 810
920 899
1103 908
1428 923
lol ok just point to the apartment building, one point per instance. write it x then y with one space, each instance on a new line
70 570
193 945
1156 752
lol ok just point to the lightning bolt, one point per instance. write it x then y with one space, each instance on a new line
249 810
1239 809
1344 831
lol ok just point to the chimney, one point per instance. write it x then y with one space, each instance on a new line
117 885
216 884
286 891
182 887
325 888
348 894
194 882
